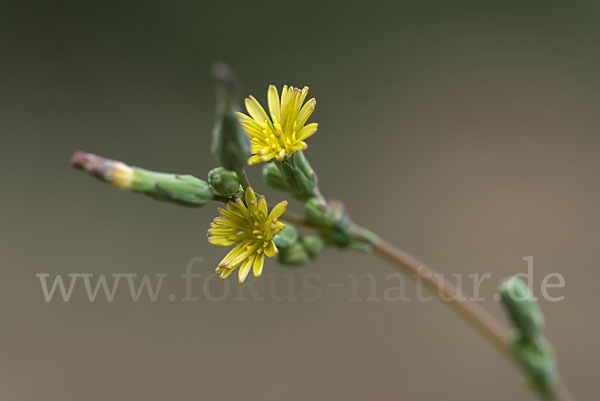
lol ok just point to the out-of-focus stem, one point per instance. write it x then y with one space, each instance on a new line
479 318
483 321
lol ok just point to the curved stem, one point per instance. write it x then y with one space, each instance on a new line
479 318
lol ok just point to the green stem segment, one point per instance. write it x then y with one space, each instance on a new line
244 181
478 317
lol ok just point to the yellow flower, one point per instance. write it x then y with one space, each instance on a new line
283 133
251 227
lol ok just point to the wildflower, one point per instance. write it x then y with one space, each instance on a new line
251 227
284 132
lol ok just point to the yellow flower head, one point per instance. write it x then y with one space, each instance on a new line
251 227
283 133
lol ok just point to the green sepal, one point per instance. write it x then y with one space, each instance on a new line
185 190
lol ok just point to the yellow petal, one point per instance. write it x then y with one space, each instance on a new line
221 232
262 205
232 254
278 210
245 120
248 251
306 111
258 159
250 196
245 269
225 273
274 105
307 131
256 111
301 97
285 97
242 208
258 264
220 241
271 249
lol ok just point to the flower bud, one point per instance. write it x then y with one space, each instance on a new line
325 214
185 190
330 215
114 172
286 237
300 179
521 308
316 212
230 144
274 178
314 245
293 255
223 182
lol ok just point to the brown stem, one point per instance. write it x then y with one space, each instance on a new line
478 317
492 330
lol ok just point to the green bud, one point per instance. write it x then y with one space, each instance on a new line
330 215
293 255
185 190
325 214
223 182
522 309
286 237
300 179
316 212
230 145
536 357
314 245
274 178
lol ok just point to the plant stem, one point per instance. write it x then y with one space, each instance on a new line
474 314
479 318
244 179
482 320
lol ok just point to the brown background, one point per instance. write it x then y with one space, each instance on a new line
465 132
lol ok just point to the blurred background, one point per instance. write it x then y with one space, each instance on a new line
465 132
